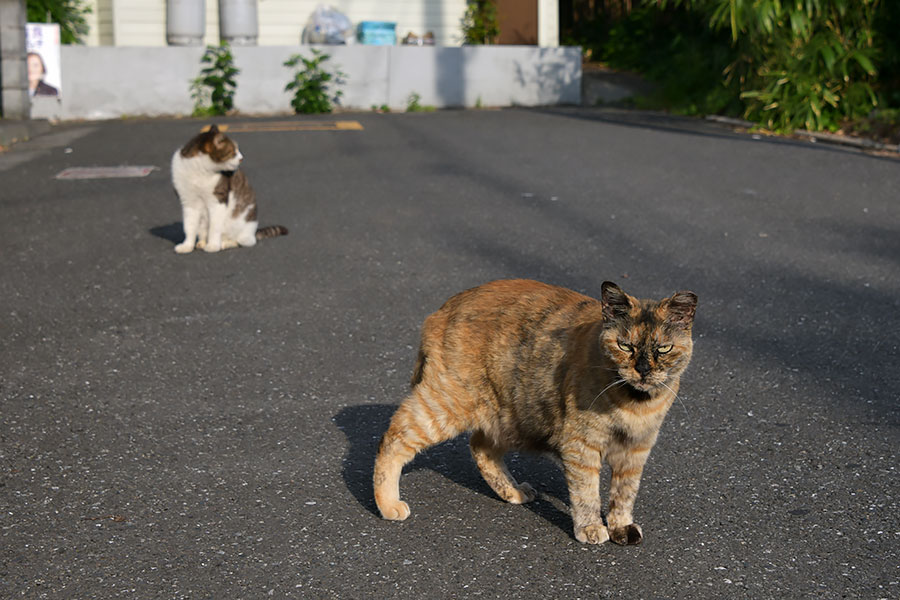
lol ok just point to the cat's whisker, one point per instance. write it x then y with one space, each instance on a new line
616 382
677 397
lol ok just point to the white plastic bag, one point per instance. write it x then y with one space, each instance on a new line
327 25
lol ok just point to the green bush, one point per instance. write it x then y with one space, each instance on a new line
311 84
213 91
785 64
807 65
479 23
70 14
800 64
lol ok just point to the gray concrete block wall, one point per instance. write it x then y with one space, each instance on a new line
109 82
14 101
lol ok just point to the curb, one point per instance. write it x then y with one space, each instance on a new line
816 136
12 132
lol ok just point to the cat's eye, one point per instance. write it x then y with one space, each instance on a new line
664 349
625 347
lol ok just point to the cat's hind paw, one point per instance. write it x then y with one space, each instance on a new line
592 534
397 511
630 535
524 493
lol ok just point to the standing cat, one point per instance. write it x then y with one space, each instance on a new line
217 203
525 365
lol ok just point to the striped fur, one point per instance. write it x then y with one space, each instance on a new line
522 365
270 231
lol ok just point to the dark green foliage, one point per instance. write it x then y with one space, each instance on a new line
479 24
311 84
811 64
887 41
807 64
68 13
213 90
677 51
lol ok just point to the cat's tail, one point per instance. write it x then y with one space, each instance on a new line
270 232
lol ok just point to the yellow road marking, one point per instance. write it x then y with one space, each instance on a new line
262 126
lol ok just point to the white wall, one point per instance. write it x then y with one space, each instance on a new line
108 82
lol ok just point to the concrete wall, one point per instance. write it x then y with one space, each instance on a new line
110 82
14 102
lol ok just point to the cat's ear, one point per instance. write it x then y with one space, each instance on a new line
681 308
214 128
616 303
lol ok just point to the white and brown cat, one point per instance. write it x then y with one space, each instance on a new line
217 203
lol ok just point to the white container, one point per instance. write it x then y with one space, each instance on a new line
238 22
185 22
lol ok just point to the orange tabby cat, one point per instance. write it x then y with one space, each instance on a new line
525 365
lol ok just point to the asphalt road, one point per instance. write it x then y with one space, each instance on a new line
204 426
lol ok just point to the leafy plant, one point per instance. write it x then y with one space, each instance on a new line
413 104
213 90
68 13
801 64
813 64
479 23
312 84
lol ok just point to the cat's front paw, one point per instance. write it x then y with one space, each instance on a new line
184 248
397 511
592 534
630 535
523 493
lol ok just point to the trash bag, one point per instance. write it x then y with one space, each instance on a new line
327 25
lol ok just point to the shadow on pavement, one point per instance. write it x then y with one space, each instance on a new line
364 425
664 122
172 232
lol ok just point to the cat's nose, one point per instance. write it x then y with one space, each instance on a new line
240 157
642 366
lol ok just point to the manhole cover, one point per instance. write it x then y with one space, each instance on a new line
105 172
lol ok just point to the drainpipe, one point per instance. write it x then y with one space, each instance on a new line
14 100
185 22
238 23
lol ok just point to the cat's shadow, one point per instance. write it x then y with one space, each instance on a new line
174 232
364 424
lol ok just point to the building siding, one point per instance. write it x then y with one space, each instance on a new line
281 22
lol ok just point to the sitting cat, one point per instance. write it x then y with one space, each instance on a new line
525 365
217 203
